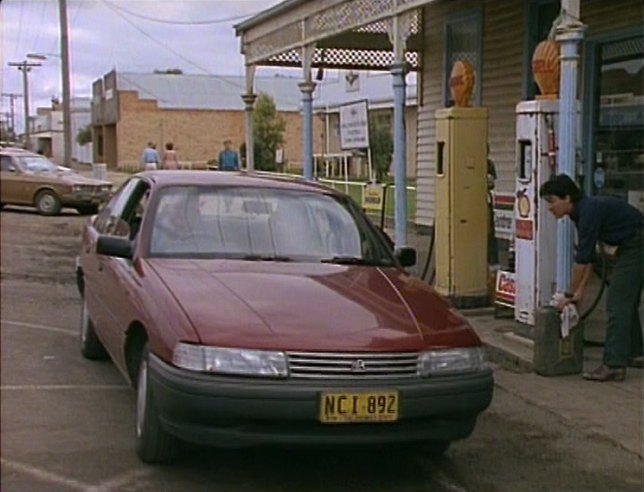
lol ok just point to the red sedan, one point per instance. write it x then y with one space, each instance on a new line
250 310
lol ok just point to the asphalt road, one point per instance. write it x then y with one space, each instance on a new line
67 423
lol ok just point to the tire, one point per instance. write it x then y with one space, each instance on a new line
47 203
91 346
436 448
87 209
153 443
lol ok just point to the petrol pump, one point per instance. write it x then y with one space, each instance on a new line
461 194
556 350
535 227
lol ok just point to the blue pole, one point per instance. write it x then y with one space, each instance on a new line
307 89
569 37
400 159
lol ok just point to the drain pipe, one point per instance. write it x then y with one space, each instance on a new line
569 33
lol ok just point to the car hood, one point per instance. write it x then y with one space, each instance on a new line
72 178
310 306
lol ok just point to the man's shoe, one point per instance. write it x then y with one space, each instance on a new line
636 362
604 373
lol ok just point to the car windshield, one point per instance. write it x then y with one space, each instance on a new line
263 224
36 164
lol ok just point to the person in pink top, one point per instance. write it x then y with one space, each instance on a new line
170 157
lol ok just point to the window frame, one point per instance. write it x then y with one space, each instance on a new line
474 15
529 44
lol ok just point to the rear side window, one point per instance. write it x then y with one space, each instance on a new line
6 164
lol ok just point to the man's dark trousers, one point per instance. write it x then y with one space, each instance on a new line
624 331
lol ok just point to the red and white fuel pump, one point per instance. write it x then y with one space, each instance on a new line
535 227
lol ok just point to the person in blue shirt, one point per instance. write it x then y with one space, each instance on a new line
228 158
150 157
617 227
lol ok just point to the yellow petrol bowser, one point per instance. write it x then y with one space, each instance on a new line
461 205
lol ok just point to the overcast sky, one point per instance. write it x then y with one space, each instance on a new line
107 34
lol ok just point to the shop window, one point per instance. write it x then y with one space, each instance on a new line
618 120
463 42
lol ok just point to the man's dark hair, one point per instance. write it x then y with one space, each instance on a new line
561 186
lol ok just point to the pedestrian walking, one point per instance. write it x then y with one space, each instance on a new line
170 160
617 228
150 157
228 158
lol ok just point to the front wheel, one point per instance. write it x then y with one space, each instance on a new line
153 443
87 209
91 346
437 448
47 203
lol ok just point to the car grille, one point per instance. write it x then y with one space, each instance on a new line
352 366
92 189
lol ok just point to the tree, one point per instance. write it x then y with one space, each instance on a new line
381 144
84 135
268 132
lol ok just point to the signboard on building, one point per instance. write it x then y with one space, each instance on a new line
354 126
373 197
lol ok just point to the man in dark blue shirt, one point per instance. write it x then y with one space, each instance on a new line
228 158
617 227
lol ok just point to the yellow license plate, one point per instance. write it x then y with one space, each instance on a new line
337 408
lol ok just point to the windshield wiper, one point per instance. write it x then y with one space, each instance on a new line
265 258
352 260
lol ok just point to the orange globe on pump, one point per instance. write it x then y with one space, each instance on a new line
546 69
461 83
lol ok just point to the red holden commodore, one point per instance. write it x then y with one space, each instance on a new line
252 310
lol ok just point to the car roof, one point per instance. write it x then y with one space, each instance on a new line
17 151
242 178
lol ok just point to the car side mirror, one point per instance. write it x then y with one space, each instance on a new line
120 247
406 256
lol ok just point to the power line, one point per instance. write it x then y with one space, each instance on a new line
43 8
22 8
187 60
183 23
117 12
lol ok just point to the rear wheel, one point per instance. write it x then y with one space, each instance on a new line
47 203
91 346
153 443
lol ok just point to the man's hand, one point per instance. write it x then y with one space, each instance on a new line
561 300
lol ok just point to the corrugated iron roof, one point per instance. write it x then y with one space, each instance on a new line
221 92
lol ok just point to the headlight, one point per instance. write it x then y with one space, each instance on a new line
230 361
451 361
77 187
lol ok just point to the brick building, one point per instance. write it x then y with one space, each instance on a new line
195 112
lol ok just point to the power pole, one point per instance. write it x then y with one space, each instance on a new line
12 98
25 68
67 96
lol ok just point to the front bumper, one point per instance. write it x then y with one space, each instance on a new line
235 411
79 198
